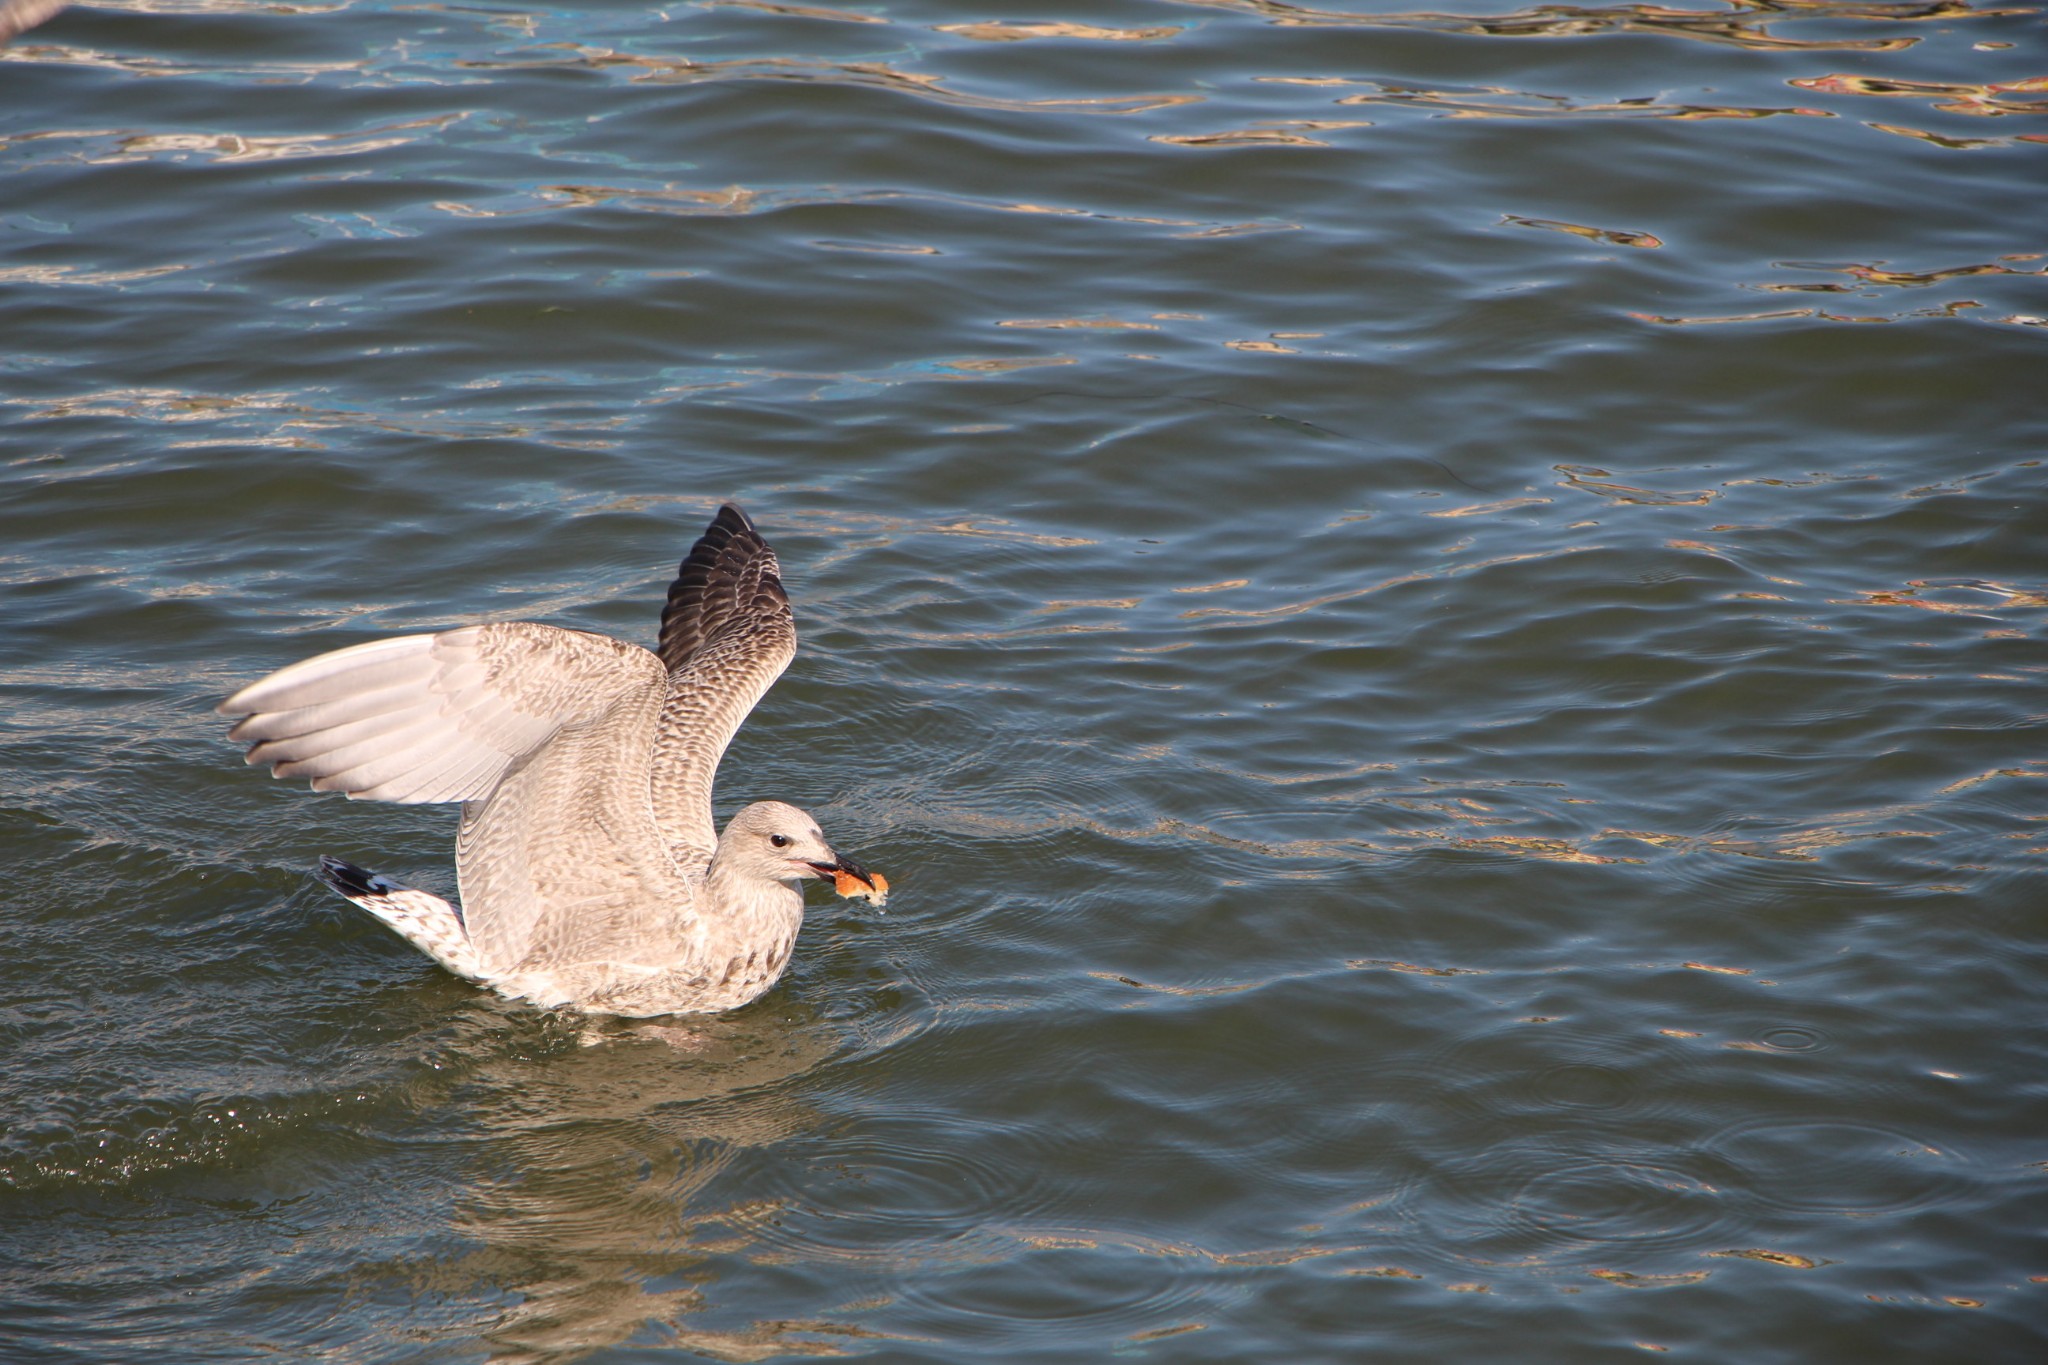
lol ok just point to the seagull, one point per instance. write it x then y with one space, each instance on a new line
592 877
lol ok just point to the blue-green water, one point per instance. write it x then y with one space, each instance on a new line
1437 617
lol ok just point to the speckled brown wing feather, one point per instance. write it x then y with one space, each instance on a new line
726 635
730 570
563 864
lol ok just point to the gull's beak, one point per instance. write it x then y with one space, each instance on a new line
846 865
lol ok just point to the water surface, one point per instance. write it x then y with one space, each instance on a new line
1436 615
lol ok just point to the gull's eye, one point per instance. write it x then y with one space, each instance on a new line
779 840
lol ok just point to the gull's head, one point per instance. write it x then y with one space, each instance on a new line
777 842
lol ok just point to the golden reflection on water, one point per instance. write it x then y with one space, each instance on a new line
1957 144
1479 509
1550 849
71 274
1783 1258
1006 364
2035 771
1630 1280
52 54
877 248
1055 324
1745 23
278 420
1135 984
1865 276
1949 310
1388 965
1991 100
217 7
1505 102
241 147
1018 30
733 199
1588 479
1875 276
1281 134
739 200
794 11
1615 236
1918 592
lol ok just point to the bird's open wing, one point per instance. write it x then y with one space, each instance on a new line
723 576
435 717
726 635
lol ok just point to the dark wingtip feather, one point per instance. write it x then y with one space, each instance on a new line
724 574
351 880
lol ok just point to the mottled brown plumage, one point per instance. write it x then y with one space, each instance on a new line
728 573
591 874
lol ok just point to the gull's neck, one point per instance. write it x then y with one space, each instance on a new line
743 894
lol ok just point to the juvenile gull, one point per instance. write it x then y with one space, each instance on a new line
591 875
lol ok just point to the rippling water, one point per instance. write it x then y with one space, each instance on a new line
1437 616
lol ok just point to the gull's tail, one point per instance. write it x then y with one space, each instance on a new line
426 921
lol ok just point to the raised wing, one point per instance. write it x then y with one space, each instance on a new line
727 571
726 635
435 717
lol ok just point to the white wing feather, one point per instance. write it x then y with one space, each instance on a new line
443 717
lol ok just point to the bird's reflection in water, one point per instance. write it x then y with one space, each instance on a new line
595 1142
